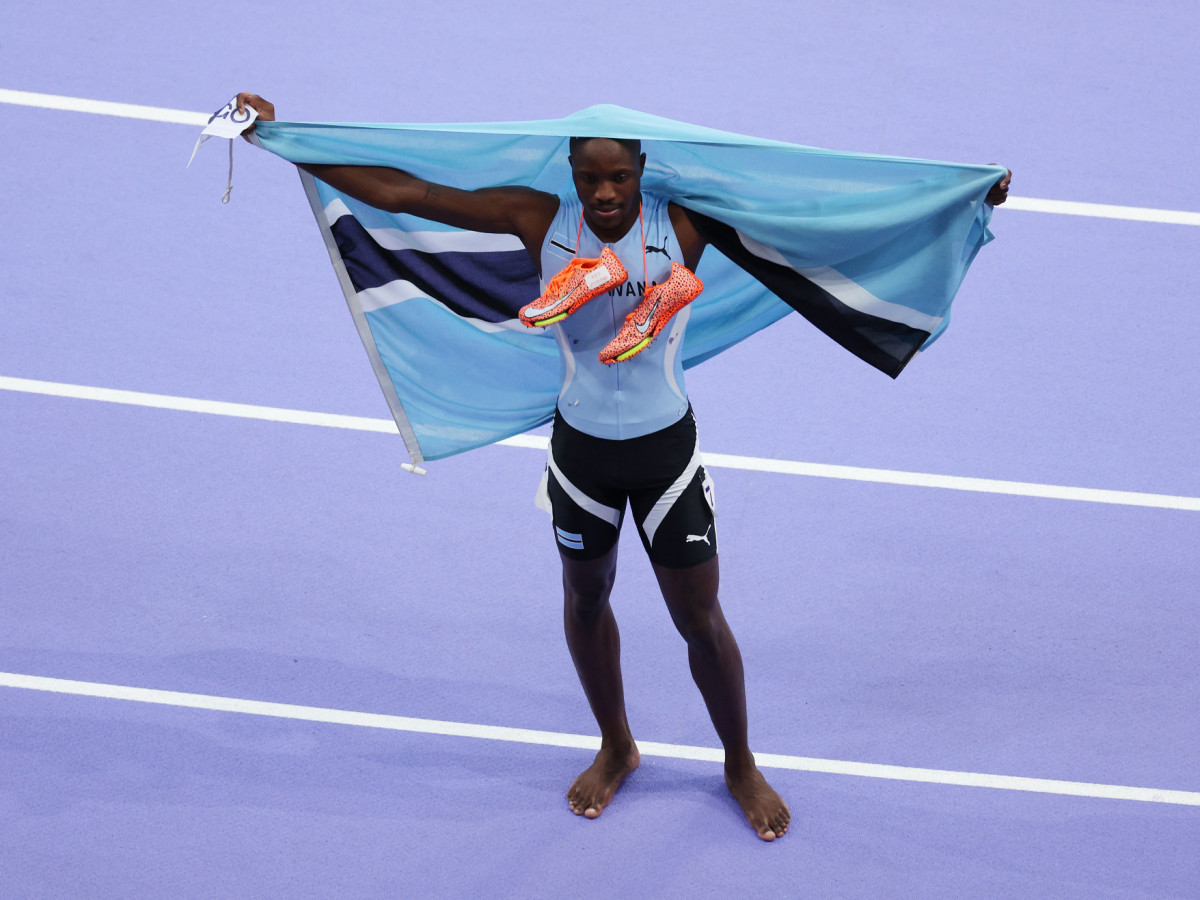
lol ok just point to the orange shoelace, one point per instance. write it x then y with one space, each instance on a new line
641 229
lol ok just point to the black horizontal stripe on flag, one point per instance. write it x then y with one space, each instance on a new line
884 344
488 285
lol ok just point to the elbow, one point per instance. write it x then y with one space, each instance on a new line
389 203
386 198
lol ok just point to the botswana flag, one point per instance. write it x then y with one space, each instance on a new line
869 249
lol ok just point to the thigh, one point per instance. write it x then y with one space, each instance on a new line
674 509
587 508
678 526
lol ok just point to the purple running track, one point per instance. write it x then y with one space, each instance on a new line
880 623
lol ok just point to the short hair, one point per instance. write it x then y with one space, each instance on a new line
633 145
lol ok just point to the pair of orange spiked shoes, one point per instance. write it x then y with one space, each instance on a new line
584 279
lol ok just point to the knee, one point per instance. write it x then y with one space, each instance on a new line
702 628
583 611
586 597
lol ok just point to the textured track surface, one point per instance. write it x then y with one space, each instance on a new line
297 564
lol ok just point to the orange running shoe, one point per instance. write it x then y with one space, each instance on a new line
579 282
643 325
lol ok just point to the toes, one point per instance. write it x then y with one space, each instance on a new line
780 823
772 827
583 806
762 827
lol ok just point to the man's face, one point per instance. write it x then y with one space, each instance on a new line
608 180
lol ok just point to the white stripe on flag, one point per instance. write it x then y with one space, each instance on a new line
857 297
457 241
377 298
399 291
849 292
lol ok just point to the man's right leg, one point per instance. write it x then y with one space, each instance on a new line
595 646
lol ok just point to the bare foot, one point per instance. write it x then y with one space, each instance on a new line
764 808
595 786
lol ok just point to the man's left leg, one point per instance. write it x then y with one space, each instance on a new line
716 664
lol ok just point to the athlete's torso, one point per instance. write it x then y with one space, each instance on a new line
643 394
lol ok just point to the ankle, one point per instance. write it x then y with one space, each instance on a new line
739 763
619 745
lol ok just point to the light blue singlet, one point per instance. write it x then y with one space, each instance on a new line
643 394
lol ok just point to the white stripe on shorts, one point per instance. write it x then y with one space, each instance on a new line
582 500
667 500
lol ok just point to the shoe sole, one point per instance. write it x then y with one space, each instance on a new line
634 350
530 322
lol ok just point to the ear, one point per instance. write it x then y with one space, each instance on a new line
641 164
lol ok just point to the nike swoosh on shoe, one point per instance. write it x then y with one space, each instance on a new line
641 329
532 311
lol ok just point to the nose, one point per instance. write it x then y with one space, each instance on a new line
605 192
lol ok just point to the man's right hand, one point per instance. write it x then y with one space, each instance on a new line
264 108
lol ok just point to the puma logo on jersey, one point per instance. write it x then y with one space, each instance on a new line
699 537
650 248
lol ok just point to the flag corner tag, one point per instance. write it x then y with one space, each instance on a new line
416 470
226 122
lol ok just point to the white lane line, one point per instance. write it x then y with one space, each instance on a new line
955 482
1104 211
104 108
534 442
187 404
186 117
587 742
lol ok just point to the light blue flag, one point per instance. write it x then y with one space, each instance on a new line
870 249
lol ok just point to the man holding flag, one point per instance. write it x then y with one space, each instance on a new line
616 266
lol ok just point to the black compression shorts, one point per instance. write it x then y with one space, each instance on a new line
659 474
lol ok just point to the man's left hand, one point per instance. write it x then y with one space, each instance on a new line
999 192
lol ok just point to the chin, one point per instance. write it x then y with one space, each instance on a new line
610 221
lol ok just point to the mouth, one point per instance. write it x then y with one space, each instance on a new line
606 215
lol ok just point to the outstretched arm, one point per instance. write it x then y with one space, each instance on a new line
521 211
